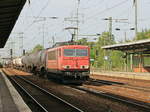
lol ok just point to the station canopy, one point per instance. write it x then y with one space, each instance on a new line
131 47
9 12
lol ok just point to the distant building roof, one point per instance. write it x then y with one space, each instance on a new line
135 46
9 12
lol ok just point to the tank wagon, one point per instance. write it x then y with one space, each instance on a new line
17 62
69 63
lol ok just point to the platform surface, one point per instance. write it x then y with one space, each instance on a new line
6 102
130 75
10 100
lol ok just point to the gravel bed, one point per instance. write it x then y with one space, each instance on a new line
83 100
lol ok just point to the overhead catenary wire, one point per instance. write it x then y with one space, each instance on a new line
93 25
42 9
37 37
96 4
107 9
40 12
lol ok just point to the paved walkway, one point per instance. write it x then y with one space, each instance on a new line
10 100
6 102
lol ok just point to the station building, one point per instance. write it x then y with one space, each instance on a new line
137 54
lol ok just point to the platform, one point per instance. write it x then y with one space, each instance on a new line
130 75
10 100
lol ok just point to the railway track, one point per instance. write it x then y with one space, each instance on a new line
45 100
123 100
118 84
128 101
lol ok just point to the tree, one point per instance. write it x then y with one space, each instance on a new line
37 48
107 59
145 34
104 59
82 41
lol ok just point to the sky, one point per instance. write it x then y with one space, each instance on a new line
33 28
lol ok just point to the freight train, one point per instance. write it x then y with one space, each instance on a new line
68 63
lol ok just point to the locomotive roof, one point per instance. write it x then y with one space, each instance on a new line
71 46
65 46
75 45
64 43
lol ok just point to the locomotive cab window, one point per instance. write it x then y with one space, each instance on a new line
75 52
69 52
81 52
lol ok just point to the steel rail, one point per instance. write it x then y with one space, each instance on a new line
106 82
45 91
111 96
24 90
118 84
51 94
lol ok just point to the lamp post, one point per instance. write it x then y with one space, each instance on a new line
125 32
131 56
110 19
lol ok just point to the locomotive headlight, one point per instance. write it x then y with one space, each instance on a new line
84 67
66 67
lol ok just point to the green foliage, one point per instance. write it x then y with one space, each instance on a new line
82 41
145 34
113 58
117 59
37 48
109 60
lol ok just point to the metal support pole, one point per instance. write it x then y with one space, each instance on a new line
141 62
53 39
126 59
12 49
21 41
77 21
73 38
131 62
11 53
125 36
43 35
104 56
110 29
110 40
136 19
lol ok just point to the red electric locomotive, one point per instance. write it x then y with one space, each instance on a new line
70 63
